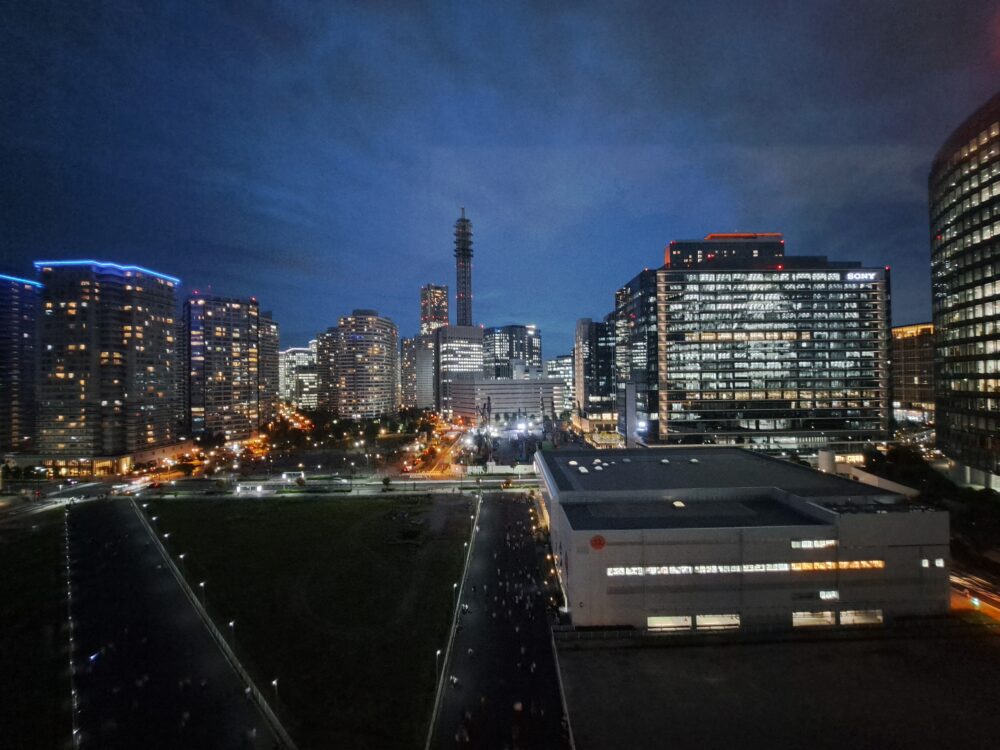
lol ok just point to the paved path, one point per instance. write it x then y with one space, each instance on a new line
507 694
149 674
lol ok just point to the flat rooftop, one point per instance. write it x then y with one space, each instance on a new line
693 515
695 468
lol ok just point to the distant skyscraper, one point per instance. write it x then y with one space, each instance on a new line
327 347
562 367
512 351
367 362
107 359
269 346
458 355
433 307
298 376
222 347
965 250
778 354
594 373
463 271
417 372
913 373
18 305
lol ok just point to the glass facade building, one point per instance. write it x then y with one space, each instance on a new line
458 355
964 197
512 351
913 374
776 356
433 307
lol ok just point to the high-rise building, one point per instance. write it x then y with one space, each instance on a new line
18 305
367 362
964 188
562 367
463 271
298 376
433 307
512 351
777 354
327 348
594 373
458 355
222 348
107 360
417 372
269 345
913 374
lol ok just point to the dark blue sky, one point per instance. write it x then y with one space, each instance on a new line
316 154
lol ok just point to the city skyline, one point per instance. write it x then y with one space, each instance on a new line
275 153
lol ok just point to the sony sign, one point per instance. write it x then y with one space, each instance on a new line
862 275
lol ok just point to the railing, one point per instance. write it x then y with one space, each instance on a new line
253 692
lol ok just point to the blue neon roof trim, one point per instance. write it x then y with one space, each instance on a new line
140 269
5 277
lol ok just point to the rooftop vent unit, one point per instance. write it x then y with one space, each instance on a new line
664 460
572 463
583 470
679 503
598 468
694 460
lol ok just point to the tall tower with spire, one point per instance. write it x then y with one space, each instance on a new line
463 270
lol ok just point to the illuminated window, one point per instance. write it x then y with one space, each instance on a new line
810 619
861 617
717 622
830 595
675 622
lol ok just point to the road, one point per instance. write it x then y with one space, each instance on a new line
971 591
507 695
149 674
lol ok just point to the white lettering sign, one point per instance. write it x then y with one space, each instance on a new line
861 276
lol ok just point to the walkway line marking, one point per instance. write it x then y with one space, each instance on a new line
454 623
259 700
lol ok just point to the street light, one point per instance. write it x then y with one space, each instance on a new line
454 589
274 684
203 594
437 657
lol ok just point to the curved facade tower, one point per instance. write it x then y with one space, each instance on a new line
463 271
964 188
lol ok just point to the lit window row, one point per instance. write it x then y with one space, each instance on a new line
938 562
813 543
779 567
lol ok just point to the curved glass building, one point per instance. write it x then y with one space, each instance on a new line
964 188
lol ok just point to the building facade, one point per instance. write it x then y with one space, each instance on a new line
789 356
562 367
512 351
692 539
298 376
913 374
725 248
222 364
417 372
594 389
964 193
19 301
327 348
367 365
107 364
433 308
512 402
458 355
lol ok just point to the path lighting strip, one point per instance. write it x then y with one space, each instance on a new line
794 567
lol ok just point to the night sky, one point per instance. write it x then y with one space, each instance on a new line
316 154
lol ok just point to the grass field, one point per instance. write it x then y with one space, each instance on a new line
34 684
343 600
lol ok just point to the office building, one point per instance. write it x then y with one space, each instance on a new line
594 377
776 356
417 372
107 365
458 355
19 299
270 339
512 351
562 367
222 363
327 348
433 307
463 271
514 403
725 248
964 192
299 376
367 362
692 539
912 369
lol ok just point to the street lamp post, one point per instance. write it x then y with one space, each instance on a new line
232 629
204 596
454 589
437 658
274 684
